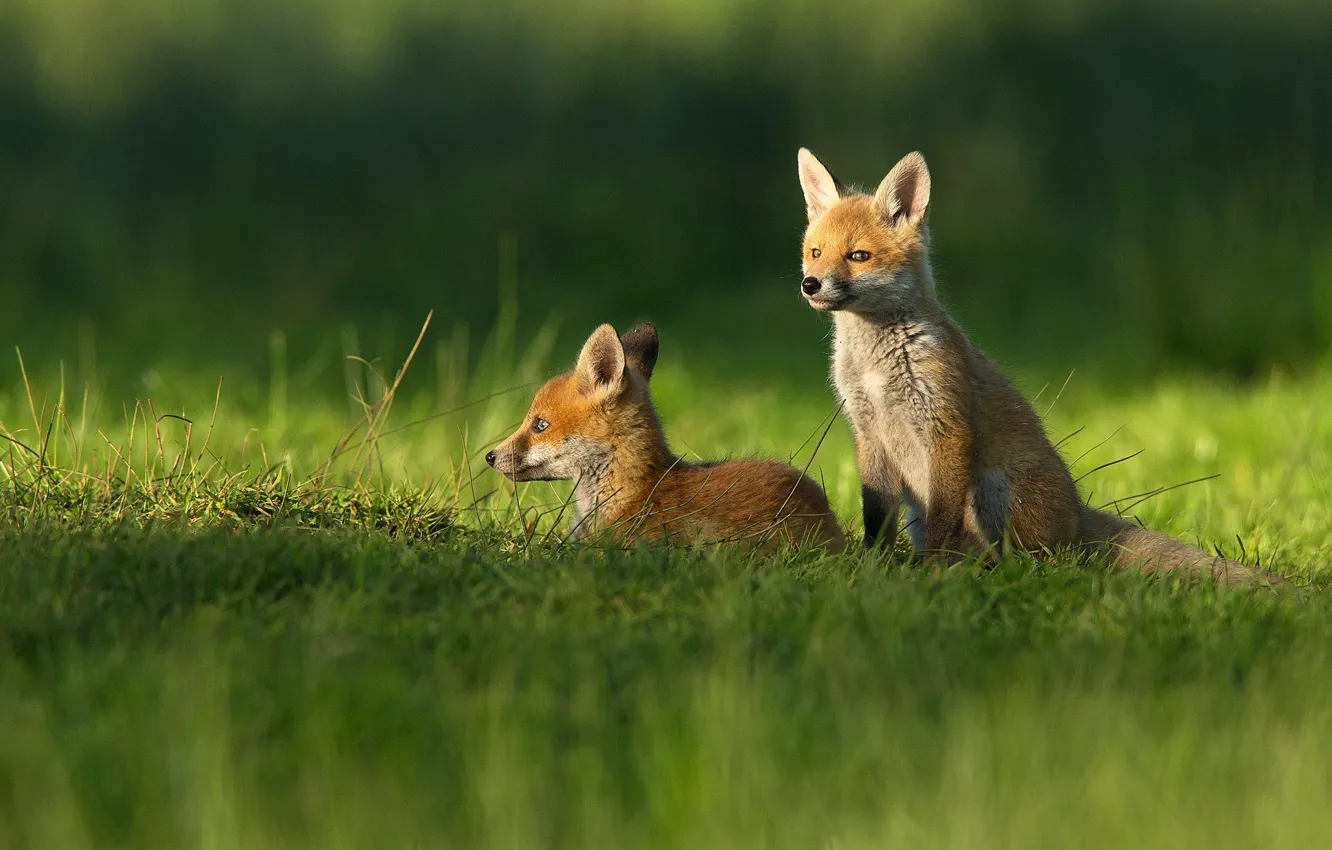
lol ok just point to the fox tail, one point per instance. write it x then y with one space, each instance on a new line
1130 546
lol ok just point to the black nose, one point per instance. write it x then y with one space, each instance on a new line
490 458
810 285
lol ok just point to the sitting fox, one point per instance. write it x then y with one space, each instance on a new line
596 425
938 426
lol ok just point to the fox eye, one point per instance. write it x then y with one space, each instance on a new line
540 425
815 253
858 256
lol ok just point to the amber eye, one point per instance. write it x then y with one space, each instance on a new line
815 253
540 425
858 256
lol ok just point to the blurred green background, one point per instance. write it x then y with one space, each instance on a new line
1121 188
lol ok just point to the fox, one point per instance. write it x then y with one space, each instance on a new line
938 427
597 426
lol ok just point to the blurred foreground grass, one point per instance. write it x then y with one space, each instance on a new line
209 643
291 689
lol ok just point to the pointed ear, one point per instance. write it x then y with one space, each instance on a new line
822 189
640 348
600 368
904 195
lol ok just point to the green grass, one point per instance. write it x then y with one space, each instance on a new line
291 607
215 636
293 689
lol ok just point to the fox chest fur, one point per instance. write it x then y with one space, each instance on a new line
879 371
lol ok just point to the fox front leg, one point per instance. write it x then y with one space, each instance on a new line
880 498
880 510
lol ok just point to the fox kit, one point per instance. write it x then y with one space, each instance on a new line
596 425
938 427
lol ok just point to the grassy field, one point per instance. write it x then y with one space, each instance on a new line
256 591
260 625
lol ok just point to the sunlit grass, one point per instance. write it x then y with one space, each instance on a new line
330 624
1243 467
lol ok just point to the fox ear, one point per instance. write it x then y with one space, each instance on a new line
640 348
822 189
600 368
904 195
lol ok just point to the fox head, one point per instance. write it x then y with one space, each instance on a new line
578 419
866 253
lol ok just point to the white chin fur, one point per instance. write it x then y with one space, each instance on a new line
541 463
825 305
531 473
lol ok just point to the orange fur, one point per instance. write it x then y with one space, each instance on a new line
938 425
603 432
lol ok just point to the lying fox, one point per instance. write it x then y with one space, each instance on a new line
937 425
596 425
